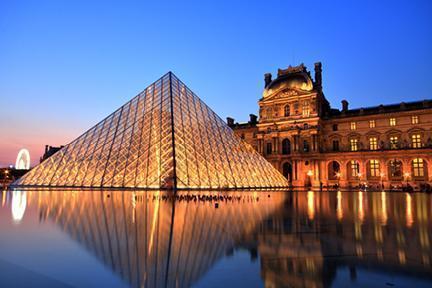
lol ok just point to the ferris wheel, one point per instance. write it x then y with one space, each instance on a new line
23 160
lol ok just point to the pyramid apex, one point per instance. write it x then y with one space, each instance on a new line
164 138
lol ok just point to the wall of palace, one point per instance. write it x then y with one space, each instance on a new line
313 144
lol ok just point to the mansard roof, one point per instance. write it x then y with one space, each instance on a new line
380 109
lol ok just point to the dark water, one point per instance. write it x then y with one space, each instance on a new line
243 239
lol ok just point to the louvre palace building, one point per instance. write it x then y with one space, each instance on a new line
313 144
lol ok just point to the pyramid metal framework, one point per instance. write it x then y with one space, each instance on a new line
163 138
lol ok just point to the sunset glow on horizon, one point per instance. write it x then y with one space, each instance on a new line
60 76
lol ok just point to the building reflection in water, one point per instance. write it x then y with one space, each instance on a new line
152 239
303 239
381 231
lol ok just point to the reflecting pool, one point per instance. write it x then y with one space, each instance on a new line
208 239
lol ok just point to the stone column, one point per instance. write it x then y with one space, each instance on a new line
343 181
363 170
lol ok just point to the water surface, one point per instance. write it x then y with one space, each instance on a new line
208 239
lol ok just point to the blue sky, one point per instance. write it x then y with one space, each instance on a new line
65 65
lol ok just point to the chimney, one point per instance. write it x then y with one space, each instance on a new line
267 79
230 121
344 105
252 119
318 74
46 149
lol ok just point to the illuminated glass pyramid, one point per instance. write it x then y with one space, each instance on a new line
165 137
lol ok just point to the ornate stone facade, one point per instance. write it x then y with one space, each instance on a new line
313 144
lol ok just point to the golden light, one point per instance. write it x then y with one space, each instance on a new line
361 213
360 175
407 175
339 210
311 204
338 174
384 215
309 173
409 214
381 174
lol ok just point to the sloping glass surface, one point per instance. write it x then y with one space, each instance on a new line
165 137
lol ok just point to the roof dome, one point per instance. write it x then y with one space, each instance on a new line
292 78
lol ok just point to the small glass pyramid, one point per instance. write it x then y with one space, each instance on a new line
164 138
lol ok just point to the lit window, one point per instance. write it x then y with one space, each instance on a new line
394 142
353 126
374 168
414 119
373 143
418 167
416 141
372 124
287 110
354 144
392 121
306 108
355 168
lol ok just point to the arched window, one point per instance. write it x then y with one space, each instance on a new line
333 170
374 168
395 169
286 147
418 168
287 110
353 169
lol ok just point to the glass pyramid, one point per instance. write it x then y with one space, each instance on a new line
163 138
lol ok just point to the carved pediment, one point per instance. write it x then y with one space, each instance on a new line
285 94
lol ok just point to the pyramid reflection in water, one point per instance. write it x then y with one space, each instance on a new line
150 240
165 137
